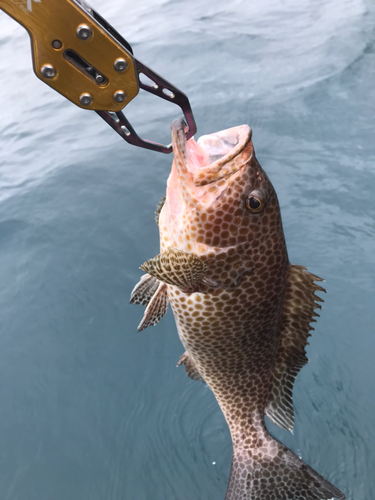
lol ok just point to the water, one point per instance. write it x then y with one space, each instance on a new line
89 408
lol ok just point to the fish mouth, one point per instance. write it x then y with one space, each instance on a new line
213 156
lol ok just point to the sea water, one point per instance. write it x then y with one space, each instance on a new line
89 408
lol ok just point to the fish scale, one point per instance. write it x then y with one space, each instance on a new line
242 311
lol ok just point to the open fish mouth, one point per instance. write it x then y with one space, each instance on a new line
213 156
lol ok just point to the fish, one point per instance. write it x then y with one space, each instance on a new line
243 312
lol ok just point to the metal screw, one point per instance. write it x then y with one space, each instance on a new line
120 64
85 99
56 44
48 71
119 96
99 78
84 32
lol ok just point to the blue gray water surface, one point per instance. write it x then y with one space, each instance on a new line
91 410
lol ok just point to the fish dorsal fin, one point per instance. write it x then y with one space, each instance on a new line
299 312
178 268
156 309
158 209
190 367
144 290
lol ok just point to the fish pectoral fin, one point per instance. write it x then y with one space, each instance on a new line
176 267
156 309
144 290
190 367
299 312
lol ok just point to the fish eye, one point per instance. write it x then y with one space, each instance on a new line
256 201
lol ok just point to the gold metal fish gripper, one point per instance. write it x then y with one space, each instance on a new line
81 56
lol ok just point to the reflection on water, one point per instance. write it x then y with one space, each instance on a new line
90 409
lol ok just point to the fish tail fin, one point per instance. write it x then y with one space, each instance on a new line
273 472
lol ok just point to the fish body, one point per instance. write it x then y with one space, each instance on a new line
242 311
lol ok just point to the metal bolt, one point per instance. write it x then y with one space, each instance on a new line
120 64
56 44
119 96
99 78
48 71
84 32
85 99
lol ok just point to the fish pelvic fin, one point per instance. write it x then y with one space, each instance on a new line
178 268
273 472
144 290
156 309
299 311
190 367
152 293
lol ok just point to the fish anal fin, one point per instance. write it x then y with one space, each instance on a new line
190 367
300 303
144 290
178 268
156 309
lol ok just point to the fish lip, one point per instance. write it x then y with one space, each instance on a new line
223 167
179 129
230 163
179 124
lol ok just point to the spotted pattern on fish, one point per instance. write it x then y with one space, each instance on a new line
245 320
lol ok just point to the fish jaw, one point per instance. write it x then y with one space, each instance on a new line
228 151
206 190
201 172
212 158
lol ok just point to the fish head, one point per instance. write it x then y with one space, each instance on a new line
218 196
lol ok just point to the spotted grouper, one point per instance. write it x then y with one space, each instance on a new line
242 311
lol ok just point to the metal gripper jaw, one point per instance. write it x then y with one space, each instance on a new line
161 88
